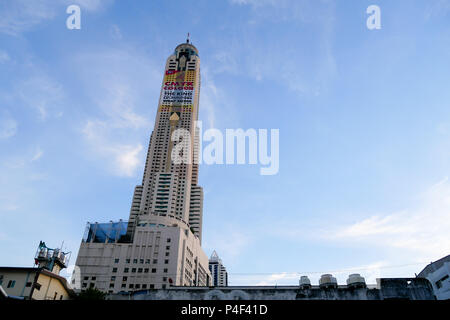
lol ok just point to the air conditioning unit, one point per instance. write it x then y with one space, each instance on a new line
327 281
355 280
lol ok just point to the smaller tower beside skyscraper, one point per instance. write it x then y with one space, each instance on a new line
219 274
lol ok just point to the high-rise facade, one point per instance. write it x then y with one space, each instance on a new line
161 243
219 275
169 188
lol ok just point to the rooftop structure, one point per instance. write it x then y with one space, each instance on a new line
385 289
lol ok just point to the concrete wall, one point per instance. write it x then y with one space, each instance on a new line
21 278
405 289
440 280
48 285
51 289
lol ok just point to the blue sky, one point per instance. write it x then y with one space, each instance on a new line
364 120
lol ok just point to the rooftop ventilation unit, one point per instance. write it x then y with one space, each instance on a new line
327 281
304 282
356 281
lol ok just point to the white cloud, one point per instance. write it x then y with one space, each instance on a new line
283 10
115 32
437 8
293 67
229 243
127 158
123 159
121 84
41 94
422 230
37 155
4 57
22 15
8 126
209 98
91 5
370 272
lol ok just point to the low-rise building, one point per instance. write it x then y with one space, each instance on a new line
34 284
38 283
438 273
162 252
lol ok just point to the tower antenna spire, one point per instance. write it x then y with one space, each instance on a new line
187 40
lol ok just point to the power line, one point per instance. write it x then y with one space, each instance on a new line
334 271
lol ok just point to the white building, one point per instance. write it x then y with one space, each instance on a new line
219 275
438 273
161 243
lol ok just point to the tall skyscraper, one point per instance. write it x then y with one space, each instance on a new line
219 275
169 188
161 243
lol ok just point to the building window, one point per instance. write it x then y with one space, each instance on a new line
168 248
167 254
116 260
141 261
439 283
164 279
140 270
138 286
124 285
124 278
155 261
134 260
166 261
163 286
144 286
91 285
131 286
127 261
168 239
165 270
152 286
146 270
28 284
114 270
86 278
95 278
133 270
154 270
11 283
113 278
111 285
126 270
147 261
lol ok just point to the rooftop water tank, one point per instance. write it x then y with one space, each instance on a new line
327 281
42 253
355 280
305 282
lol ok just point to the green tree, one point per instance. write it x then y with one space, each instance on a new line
91 294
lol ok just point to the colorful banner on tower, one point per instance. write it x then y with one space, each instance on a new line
178 89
